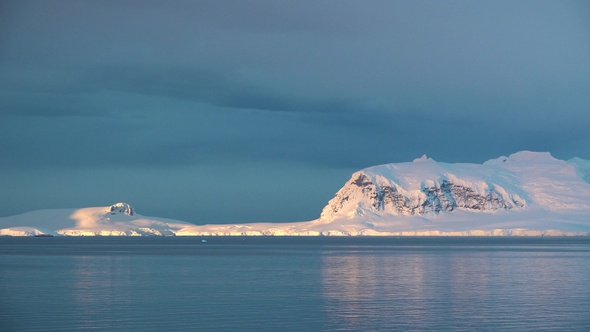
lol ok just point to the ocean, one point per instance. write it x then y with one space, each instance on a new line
294 284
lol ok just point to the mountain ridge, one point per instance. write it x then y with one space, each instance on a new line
425 186
526 193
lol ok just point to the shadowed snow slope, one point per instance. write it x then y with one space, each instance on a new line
527 193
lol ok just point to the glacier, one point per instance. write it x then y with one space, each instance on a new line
524 194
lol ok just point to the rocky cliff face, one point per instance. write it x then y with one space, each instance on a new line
123 208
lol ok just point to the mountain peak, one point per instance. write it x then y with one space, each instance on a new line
525 157
530 156
123 208
422 159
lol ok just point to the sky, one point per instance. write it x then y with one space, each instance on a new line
248 111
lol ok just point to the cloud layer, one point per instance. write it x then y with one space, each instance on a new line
219 111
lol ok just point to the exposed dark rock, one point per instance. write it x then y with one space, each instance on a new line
442 196
122 208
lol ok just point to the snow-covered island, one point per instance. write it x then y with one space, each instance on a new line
527 193
119 219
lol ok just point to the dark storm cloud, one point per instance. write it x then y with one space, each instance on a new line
158 91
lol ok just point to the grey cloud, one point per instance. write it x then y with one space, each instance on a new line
17 104
187 83
226 89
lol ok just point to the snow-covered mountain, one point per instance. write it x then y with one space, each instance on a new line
527 193
428 188
425 188
118 219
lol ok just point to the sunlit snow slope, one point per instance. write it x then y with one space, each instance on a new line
118 219
527 193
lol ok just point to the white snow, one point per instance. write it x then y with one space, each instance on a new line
119 219
26 231
539 194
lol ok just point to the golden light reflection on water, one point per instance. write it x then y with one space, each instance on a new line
100 283
309 285
420 289
362 289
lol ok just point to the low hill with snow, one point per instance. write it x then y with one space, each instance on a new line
527 193
119 219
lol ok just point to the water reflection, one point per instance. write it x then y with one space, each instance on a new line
370 289
100 284
449 289
310 285
134 292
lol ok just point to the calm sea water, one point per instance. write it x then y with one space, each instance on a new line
294 284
